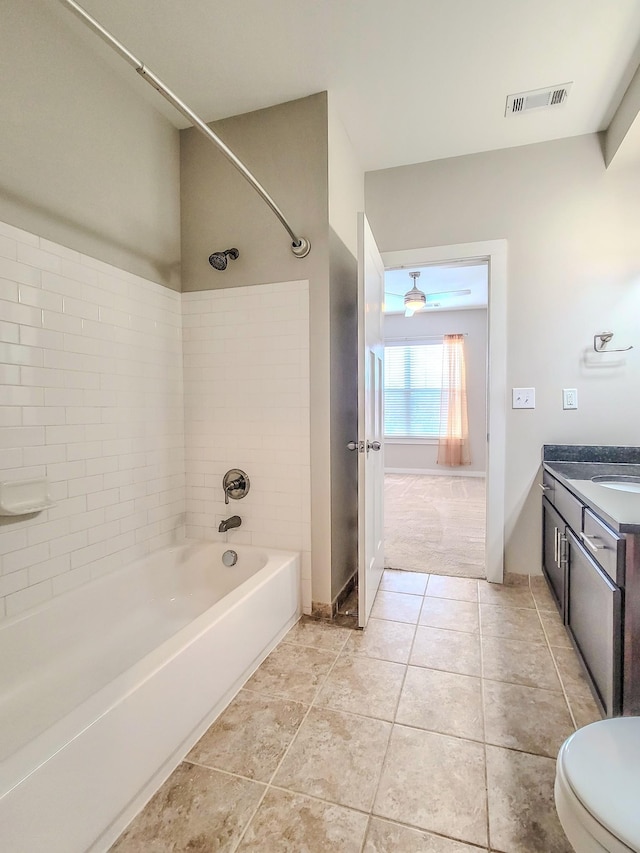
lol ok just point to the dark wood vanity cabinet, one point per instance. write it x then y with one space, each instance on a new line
594 621
584 562
554 560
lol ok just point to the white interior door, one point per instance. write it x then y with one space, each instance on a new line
370 420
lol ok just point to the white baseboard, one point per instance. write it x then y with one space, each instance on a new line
438 472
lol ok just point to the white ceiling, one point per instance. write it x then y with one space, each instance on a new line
413 80
441 284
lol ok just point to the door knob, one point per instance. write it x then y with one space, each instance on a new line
355 445
374 445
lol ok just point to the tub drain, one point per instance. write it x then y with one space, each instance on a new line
229 558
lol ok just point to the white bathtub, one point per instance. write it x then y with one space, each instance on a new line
103 690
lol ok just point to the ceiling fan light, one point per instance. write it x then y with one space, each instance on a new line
414 299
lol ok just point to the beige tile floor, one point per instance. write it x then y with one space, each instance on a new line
433 731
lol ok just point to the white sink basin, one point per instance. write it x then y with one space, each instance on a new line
621 484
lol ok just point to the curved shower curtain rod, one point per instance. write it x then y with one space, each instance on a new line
299 246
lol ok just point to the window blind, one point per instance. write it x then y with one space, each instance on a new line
413 390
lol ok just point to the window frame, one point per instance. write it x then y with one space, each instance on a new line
435 340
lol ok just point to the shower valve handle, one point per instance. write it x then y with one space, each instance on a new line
230 487
235 484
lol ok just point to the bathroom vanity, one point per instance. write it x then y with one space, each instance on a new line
591 558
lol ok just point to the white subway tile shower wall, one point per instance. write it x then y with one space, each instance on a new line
246 388
91 396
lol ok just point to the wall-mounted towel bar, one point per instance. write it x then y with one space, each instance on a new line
604 338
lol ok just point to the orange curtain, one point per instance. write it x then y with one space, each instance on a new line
453 446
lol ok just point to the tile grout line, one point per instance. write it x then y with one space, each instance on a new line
338 654
386 750
484 723
221 770
416 728
293 740
393 722
544 642
417 666
283 790
483 679
553 659
433 832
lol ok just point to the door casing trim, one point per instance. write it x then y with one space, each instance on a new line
495 252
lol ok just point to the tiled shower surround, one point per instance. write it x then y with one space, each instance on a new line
92 396
246 396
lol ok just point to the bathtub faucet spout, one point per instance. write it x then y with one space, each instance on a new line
229 523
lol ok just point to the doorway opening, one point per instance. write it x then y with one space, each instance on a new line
436 524
458 502
435 500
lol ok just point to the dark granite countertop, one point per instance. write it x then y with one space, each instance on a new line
620 509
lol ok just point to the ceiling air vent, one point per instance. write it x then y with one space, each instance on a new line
537 99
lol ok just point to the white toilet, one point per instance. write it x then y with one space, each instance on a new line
597 788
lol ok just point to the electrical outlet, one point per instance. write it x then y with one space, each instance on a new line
523 398
569 398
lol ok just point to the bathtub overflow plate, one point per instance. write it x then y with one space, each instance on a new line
230 558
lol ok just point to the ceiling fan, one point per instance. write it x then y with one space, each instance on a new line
416 300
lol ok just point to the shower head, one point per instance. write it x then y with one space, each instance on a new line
218 260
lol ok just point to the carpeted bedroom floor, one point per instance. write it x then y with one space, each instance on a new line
435 524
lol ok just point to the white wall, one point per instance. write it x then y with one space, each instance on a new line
246 363
473 324
345 181
572 230
91 398
622 137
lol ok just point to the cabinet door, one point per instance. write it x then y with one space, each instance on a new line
553 562
593 618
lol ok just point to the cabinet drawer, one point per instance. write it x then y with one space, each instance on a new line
593 619
606 547
568 506
548 486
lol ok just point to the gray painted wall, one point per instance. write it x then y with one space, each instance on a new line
344 414
573 259
84 160
286 148
292 149
473 323
346 200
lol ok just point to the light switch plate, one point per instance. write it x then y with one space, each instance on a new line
569 398
523 398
